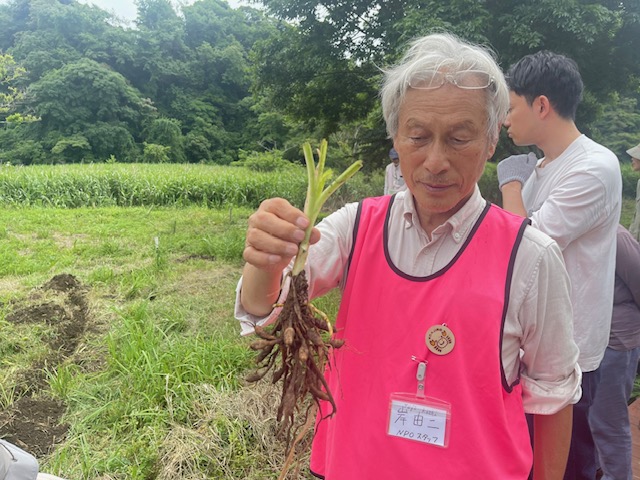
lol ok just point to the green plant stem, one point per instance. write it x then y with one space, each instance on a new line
317 195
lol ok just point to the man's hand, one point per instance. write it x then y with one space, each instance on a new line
516 168
274 233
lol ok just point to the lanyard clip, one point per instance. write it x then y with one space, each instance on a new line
420 376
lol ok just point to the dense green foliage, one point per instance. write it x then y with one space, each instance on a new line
100 185
336 50
203 83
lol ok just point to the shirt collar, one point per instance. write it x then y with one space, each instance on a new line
458 225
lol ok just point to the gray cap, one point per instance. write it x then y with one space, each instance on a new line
393 153
634 152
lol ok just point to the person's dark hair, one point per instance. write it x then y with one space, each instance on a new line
550 74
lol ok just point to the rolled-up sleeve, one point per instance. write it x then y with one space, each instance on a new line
540 299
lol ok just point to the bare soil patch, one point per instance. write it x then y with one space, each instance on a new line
33 421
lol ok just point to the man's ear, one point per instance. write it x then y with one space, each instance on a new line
542 106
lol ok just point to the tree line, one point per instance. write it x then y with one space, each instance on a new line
208 83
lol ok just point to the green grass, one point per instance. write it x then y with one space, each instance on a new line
103 185
177 185
161 324
154 389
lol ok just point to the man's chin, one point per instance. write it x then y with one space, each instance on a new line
520 143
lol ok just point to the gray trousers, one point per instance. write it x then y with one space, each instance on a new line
609 414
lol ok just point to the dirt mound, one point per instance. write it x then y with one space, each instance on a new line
33 420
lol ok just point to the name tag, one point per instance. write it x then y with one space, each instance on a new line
420 419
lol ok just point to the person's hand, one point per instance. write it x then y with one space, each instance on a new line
516 168
274 233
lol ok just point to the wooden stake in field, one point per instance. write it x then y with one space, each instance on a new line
297 345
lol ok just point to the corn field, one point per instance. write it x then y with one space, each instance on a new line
133 185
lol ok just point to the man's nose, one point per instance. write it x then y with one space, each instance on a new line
436 158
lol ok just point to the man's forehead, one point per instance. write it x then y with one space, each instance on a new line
449 122
447 102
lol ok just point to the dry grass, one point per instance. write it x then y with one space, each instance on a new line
233 437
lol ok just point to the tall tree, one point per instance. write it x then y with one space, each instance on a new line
320 38
89 99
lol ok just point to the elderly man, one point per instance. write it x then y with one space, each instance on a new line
456 314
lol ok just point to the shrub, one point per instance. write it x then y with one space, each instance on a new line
488 184
154 153
25 153
270 161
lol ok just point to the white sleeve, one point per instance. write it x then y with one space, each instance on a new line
388 179
16 463
576 204
540 299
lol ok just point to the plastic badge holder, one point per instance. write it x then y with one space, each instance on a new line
421 419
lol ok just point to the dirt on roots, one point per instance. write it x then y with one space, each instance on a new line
33 421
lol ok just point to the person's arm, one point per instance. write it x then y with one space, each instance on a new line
325 263
552 438
275 230
512 198
628 262
549 371
634 228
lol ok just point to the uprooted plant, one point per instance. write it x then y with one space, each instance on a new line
297 345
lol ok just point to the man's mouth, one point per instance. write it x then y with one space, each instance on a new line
435 187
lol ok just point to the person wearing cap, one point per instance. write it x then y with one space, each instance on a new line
393 179
634 228
456 314
574 195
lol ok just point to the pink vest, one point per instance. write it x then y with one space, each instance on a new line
383 317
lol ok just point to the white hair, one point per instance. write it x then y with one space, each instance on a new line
447 53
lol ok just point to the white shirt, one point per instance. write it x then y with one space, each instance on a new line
576 200
393 179
538 329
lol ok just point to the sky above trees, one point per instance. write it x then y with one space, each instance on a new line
127 10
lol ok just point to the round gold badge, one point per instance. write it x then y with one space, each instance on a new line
440 339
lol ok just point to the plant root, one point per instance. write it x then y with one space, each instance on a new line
296 350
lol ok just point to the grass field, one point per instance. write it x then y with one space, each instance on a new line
153 344
119 354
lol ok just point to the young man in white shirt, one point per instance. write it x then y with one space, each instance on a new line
573 194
